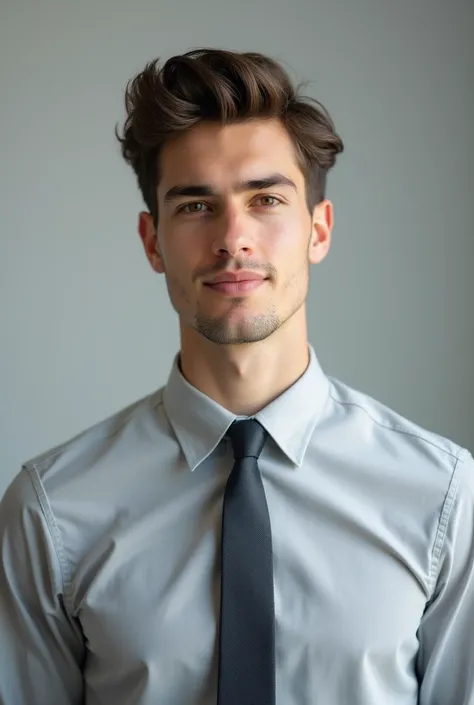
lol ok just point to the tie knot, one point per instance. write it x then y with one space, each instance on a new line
248 438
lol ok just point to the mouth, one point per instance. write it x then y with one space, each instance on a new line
236 288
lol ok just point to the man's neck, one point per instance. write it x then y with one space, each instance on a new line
244 378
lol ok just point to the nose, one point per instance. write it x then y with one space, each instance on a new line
233 235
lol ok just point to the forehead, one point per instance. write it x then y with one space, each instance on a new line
221 154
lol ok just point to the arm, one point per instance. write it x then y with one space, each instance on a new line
446 657
42 649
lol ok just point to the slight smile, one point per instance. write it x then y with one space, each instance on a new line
236 283
234 288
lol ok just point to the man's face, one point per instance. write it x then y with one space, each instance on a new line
226 228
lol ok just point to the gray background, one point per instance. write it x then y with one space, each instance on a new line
86 327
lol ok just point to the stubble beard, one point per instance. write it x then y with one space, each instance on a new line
250 329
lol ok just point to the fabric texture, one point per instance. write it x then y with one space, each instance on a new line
110 555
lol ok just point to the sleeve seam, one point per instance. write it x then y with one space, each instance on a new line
54 532
445 516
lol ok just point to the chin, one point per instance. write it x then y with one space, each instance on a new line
239 333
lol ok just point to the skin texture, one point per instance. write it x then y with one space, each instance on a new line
245 345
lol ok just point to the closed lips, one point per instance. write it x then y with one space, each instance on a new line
234 278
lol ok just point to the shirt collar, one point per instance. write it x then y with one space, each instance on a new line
200 423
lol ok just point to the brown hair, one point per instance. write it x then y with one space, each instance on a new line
228 87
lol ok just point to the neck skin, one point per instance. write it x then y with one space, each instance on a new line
245 378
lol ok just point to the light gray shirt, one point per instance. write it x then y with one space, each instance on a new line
110 543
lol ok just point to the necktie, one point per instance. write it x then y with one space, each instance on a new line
246 673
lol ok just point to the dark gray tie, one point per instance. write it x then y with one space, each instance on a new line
246 674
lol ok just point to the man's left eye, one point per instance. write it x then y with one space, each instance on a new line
272 198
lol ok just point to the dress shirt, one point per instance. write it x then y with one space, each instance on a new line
110 545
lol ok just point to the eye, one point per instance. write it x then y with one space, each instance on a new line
182 208
272 198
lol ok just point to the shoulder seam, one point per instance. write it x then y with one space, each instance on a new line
397 429
58 449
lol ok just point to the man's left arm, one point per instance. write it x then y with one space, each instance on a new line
445 664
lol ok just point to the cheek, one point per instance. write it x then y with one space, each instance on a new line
288 243
177 258
178 293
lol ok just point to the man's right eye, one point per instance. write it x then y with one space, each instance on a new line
182 208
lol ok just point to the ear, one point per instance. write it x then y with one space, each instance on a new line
149 238
322 224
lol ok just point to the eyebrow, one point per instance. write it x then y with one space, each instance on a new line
240 187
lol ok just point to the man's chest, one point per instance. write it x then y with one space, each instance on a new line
347 602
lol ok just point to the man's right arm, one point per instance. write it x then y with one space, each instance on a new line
41 646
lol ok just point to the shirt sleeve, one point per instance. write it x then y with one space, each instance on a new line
446 634
41 647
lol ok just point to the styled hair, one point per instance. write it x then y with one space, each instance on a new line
225 87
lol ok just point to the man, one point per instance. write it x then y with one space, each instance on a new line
255 532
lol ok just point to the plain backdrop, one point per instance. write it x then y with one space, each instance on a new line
86 327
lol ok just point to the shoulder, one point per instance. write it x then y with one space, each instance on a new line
96 440
437 472
384 427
